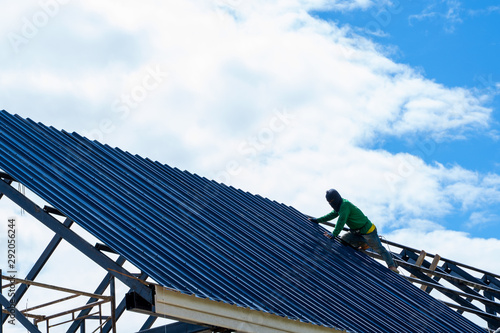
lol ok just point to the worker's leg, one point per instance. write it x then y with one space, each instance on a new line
374 242
353 240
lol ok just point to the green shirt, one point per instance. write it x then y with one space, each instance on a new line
350 215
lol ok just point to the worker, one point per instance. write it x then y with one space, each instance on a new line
362 234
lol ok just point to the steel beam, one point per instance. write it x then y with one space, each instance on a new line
37 267
454 270
99 290
483 299
492 281
463 303
19 316
8 180
148 323
120 309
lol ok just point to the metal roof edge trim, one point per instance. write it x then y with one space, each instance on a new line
190 308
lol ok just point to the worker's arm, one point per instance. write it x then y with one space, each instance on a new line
345 210
330 216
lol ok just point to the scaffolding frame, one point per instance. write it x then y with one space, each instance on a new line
101 300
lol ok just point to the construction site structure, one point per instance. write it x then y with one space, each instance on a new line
208 256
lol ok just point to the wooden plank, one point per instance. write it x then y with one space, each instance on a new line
433 267
420 260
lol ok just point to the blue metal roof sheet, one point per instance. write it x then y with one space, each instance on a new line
205 238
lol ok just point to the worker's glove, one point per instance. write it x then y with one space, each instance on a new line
313 219
327 234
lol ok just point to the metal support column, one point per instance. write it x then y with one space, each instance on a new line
1 306
120 309
113 303
99 290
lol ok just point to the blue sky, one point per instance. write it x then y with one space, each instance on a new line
452 42
394 103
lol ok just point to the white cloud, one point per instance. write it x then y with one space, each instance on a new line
484 11
452 15
480 219
447 12
471 189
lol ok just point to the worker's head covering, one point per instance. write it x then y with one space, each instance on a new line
334 199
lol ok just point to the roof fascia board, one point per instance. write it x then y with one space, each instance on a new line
178 328
190 308
78 242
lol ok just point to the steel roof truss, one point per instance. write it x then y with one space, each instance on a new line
120 309
99 290
77 241
424 275
148 323
37 267
490 280
19 316
485 300
461 280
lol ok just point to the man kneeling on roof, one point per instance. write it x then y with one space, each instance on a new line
362 234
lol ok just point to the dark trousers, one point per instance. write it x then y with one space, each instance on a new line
373 241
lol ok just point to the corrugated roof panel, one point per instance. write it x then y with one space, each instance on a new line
204 238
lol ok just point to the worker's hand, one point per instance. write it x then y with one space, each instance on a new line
313 219
327 234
